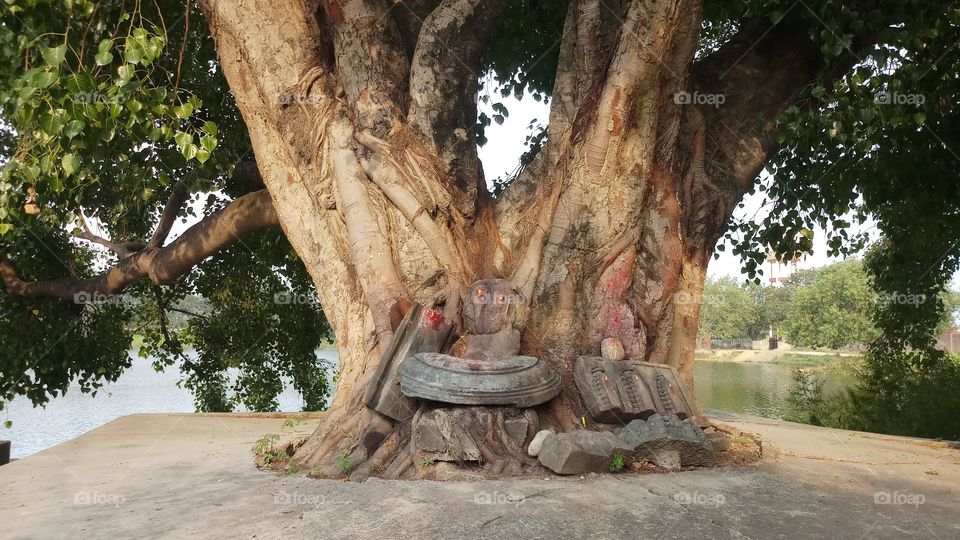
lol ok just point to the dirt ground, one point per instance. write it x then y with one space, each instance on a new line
193 476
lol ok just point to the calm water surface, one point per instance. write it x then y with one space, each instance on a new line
139 390
754 388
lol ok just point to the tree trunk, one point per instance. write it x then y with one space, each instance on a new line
362 120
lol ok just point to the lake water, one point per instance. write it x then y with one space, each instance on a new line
757 388
754 388
139 390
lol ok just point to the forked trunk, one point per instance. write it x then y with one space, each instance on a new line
362 121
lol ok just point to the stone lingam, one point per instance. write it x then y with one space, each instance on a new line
490 370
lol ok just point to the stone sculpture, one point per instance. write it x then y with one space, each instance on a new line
618 391
490 371
421 330
668 441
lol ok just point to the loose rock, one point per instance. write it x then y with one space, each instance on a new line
581 451
537 443
719 441
612 349
667 433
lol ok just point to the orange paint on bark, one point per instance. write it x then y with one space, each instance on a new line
616 120
664 185
335 13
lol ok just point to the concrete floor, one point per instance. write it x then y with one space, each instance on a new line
192 476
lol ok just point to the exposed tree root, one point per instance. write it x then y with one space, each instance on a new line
387 449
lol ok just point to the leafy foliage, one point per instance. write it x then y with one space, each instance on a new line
833 309
106 105
833 306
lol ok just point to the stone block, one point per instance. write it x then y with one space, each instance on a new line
662 433
537 443
581 451
598 391
421 330
439 436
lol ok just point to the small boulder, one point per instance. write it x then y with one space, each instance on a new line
667 433
719 441
612 349
517 428
537 443
581 451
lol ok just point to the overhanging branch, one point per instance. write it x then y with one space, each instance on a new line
168 217
248 214
759 73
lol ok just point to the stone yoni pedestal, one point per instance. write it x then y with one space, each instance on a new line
491 371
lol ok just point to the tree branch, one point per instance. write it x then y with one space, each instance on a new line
168 217
759 73
245 215
443 86
371 62
409 16
122 251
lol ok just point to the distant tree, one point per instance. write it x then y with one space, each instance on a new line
833 308
773 304
728 311
951 311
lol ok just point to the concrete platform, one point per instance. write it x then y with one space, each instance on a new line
192 476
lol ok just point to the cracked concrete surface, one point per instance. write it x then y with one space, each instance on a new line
192 476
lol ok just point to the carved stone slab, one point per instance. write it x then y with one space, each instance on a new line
616 392
517 381
422 330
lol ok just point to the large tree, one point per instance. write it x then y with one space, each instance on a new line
362 119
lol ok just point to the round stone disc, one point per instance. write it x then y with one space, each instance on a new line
519 381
